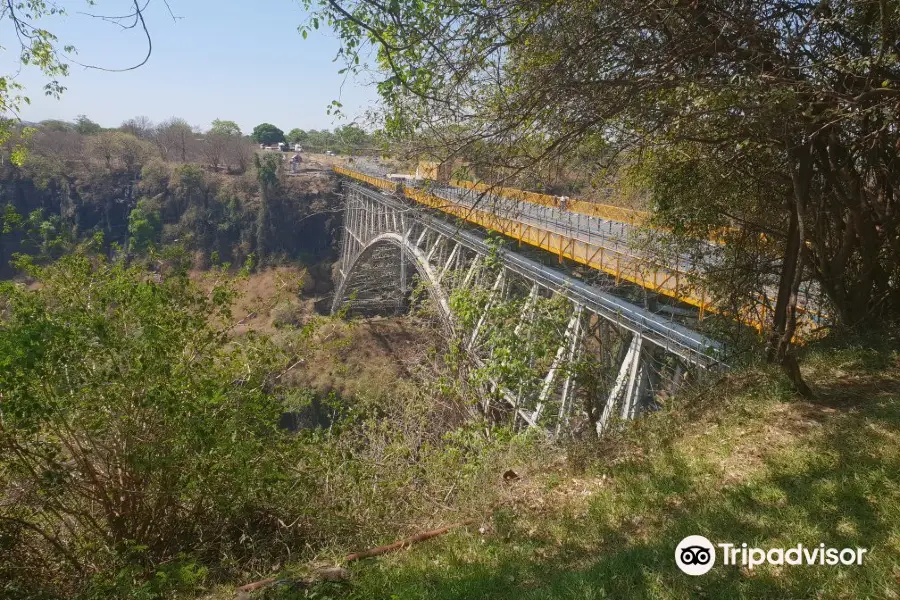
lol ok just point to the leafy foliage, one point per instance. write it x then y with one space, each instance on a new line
225 128
347 139
523 337
112 384
85 126
266 133
794 100
36 47
139 452
144 225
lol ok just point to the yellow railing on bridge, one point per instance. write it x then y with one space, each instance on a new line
591 209
620 264
385 184
638 218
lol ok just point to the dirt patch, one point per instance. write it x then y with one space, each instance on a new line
261 296
370 357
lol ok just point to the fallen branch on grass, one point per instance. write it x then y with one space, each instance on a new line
340 574
250 315
251 587
421 537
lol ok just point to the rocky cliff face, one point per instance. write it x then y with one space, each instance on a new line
212 215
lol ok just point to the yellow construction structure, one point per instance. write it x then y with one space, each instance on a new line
621 264
435 171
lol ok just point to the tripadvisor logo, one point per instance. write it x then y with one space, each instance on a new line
696 555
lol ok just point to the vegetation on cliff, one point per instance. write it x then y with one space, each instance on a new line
71 186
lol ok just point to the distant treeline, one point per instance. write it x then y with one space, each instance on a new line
147 187
348 139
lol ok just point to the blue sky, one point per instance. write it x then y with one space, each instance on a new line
239 60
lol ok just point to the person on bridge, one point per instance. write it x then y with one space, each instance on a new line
562 202
295 160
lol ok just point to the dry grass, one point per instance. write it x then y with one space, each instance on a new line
259 295
362 357
365 358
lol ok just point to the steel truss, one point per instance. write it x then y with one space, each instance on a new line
632 356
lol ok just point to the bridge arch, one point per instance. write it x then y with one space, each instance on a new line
409 250
627 342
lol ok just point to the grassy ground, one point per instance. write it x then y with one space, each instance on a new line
746 462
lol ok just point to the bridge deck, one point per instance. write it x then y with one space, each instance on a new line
594 235
598 243
690 345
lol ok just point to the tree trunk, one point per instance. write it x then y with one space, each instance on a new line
783 302
785 317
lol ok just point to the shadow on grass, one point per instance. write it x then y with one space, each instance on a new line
837 483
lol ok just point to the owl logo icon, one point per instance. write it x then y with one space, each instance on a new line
695 555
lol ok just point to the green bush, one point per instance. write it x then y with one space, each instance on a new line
144 225
132 432
140 455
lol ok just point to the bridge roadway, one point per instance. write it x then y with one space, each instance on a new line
591 230
593 241
595 235
691 346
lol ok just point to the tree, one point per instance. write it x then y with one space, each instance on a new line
59 144
144 226
268 134
117 148
225 128
321 140
191 186
57 125
85 126
103 147
267 170
296 136
352 137
173 137
140 127
125 398
239 153
797 99
214 147
133 152
220 143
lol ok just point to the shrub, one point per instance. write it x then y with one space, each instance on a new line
140 454
132 432
288 314
155 177
144 225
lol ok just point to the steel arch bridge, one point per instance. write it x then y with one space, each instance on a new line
636 356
